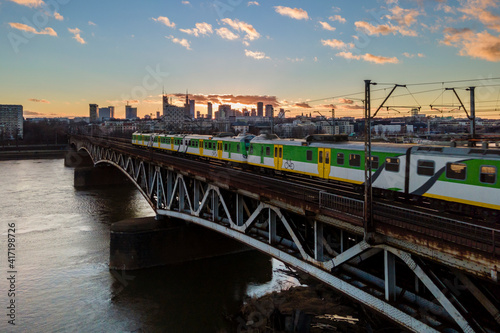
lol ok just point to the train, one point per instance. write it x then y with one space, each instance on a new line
459 179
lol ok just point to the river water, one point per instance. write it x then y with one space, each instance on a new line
61 281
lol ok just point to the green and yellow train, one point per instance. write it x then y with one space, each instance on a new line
465 177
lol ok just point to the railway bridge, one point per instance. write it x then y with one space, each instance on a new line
419 268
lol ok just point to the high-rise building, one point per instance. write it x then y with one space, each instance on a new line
11 122
106 113
209 110
130 112
172 114
93 112
269 111
260 109
224 111
253 113
191 108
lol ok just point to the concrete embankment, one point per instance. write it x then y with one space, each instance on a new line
33 152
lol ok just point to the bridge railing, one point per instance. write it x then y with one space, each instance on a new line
341 204
471 235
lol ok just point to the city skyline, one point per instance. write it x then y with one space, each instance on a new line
64 55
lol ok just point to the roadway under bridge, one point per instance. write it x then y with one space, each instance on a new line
427 272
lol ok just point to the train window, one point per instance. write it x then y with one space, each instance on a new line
320 157
238 148
375 162
327 158
340 158
251 149
488 174
225 146
309 155
354 160
275 151
268 151
392 164
280 152
425 168
456 171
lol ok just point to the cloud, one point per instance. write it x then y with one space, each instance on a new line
408 55
337 18
27 28
58 16
186 2
295 13
368 57
92 23
478 9
226 33
165 21
228 99
244 27
352 107
480 45
253 3
303 105
384 29
32 113
184 42
327 26
29 3
345 101
295 59
336 44
403 16
76 33
38 100
256 55
201 29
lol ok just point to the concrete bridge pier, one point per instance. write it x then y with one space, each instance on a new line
147 242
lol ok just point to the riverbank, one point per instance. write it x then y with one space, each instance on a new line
24 152
313 308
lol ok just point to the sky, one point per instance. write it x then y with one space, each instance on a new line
59 56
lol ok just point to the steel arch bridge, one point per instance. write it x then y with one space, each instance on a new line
330 249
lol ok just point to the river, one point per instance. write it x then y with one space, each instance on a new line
60 280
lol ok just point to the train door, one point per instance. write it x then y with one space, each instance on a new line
327 163
323 162
172 140
278 156
219 149
201 147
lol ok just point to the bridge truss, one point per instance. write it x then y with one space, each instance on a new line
412 290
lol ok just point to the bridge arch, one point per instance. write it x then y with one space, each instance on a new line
271 227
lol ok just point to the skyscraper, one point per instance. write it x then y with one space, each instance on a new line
130 112
209 110
191 108
269 111
11 122
260 109
93 112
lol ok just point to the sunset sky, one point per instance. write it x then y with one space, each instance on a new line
57 56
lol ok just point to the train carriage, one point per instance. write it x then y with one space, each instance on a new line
461 175
233 149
